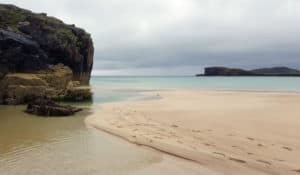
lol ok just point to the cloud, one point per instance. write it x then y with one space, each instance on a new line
182 36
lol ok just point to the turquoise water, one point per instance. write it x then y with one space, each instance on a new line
113 88
119 88
210 83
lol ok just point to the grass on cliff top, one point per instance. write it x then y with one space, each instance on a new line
11 17
55 30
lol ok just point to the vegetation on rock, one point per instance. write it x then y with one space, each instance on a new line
32 41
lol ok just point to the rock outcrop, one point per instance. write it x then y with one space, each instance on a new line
30 42
51 83
78 94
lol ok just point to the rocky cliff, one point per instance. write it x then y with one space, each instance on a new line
41 57
30 42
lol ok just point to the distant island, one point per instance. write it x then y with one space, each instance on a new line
274 71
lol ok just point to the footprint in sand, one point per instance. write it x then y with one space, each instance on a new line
195 130
287 148
221 154
209 144
260 145
237 160
250 153
297 171
265 162
250 138
157 137
174 126
198 138
178 141
193 147
279 160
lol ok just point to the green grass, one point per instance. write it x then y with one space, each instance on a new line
56 31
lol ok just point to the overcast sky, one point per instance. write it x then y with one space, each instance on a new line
181 37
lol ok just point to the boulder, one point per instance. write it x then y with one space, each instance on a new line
44 107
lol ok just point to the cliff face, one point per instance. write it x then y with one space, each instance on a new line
30 42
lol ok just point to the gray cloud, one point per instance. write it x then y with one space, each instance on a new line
182 36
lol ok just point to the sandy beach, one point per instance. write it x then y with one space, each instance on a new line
227 132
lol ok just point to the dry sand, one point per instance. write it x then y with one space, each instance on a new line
228 132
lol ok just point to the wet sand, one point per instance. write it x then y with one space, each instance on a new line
227 132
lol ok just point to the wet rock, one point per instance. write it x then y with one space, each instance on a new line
44 107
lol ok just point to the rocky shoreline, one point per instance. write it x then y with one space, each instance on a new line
44 107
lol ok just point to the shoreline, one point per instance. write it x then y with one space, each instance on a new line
148 123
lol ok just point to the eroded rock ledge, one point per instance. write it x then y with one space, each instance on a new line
53 83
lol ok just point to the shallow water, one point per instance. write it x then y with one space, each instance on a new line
35 145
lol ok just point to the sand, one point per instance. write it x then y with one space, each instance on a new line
227 132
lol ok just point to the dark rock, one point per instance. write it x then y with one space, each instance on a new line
223 71
19 53
275 71
31 41
44 107
78 94
2 75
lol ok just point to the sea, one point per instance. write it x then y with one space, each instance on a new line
114 88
